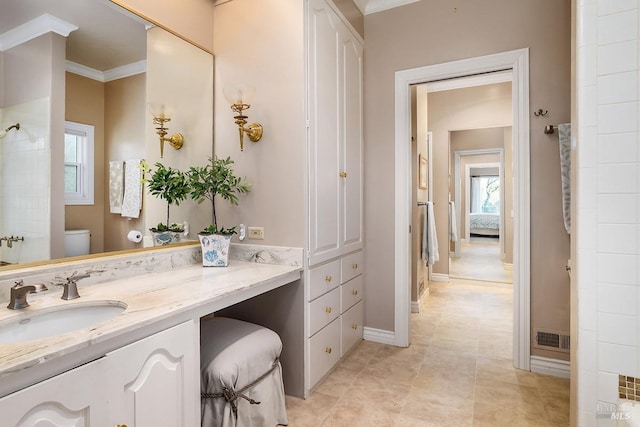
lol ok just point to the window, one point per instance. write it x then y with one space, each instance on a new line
485 194
78 164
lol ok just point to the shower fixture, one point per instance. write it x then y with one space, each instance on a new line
16 127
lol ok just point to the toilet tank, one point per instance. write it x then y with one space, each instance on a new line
76 242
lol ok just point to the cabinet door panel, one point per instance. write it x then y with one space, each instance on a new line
154 381
351 293
323 310
71 399
323 279
324 351
352 148
351 327
324 137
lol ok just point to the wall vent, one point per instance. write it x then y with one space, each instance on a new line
552 340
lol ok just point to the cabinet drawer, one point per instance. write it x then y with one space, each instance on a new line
351 327
351 293
324 278
323 310
324 351
352 266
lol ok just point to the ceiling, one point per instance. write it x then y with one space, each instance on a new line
108 36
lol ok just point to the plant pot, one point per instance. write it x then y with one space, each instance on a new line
163 238
215 249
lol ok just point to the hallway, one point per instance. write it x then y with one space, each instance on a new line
457 372
480 260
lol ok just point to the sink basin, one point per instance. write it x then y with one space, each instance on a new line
58 320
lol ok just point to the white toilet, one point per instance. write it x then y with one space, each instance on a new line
76 242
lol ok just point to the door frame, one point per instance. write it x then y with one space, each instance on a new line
518 62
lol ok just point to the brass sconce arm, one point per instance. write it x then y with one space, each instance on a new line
253 131
176 140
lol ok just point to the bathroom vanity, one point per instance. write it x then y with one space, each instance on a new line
141 367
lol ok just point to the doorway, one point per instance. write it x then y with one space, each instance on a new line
518 63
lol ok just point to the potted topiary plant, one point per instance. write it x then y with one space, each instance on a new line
172 186
206 182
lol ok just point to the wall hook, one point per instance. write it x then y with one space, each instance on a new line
541 113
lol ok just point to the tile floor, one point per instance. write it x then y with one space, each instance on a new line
480 260
457 372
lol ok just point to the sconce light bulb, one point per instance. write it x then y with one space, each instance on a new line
239 94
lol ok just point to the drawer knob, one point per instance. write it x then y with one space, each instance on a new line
121 425
343 174
328 350
354 292
328 310
354 266
327 279
354 327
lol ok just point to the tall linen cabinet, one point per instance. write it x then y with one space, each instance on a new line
334 281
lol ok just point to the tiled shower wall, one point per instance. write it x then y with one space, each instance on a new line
608 238
24 181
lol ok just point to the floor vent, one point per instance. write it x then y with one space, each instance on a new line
552 340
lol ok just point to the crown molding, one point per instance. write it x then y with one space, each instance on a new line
368 7
108 75
35 28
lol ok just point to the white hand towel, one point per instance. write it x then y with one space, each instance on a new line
116 188
429 239
453 223
132 201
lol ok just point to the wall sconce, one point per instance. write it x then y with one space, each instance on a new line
239 98
159 119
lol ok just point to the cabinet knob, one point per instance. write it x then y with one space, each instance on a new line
354 327
354 266
121 425
343 174
328 310
327 350
327 279
354 292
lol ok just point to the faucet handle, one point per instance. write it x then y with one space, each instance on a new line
71 286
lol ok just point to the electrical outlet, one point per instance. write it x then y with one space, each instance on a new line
256 233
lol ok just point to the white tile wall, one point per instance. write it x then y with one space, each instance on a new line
24 188
608 243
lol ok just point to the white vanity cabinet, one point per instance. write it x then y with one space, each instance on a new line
74 398
151 382
155 381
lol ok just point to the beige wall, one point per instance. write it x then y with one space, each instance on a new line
125 123
85 104
190 19
352 13
433 32
276 164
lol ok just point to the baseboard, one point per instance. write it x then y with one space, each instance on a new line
548 366
379 335
415 306
439 277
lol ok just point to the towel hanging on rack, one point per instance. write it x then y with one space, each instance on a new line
564 138
430 253
453 223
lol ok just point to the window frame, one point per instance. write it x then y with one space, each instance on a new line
86 163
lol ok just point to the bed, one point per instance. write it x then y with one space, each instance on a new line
484 224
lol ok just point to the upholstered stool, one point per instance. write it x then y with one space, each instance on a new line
240 375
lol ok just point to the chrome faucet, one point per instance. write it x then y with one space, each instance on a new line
71 287
19 291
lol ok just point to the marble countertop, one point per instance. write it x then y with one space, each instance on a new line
152 299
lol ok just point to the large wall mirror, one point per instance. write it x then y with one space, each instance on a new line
75 71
